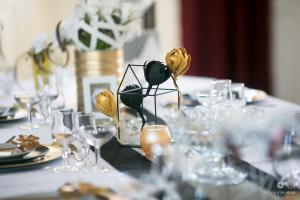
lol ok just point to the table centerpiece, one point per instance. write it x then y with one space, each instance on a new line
98 30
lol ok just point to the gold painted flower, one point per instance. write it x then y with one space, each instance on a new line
106 103
178 61
28 142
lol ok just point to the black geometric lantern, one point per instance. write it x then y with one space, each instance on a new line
133 96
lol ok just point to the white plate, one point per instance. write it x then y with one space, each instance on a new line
253 95
12 154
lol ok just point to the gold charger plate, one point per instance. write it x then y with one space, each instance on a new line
53 154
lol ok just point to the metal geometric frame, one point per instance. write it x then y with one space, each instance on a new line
157 92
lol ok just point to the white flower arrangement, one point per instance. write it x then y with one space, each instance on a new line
103 24
44 49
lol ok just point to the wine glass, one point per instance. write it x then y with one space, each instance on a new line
79 147
96 136
238 94
212 167
63 136
84 119
48 90
223 88
28 99
173 118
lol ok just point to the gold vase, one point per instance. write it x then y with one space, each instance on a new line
95 64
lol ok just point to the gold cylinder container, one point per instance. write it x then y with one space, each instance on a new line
95 64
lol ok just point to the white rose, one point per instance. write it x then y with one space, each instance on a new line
68 29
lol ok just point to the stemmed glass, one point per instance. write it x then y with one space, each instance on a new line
174 120
94 135
238 94
48 90
83 119
213 168
223 88
62 135
28 99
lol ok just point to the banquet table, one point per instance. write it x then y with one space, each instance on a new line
127 164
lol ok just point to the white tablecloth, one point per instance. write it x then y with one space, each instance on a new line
42 180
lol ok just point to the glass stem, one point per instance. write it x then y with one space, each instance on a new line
223 163
29 117
97 155
210 117
49 107
66 156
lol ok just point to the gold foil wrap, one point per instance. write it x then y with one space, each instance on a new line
95 64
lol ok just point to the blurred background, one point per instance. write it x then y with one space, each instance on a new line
251 41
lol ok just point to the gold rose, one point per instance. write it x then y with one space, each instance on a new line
178 61
28 142
106 103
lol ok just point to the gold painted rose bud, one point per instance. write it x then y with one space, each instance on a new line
178 61
106 103
28 142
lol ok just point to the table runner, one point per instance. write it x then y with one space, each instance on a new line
129 161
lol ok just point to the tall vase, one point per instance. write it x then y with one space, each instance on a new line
95 64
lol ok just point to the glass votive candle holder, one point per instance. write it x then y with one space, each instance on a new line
152 135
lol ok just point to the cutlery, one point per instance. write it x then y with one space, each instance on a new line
11 139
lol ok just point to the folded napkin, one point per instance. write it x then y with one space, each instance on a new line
27 142
7 111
